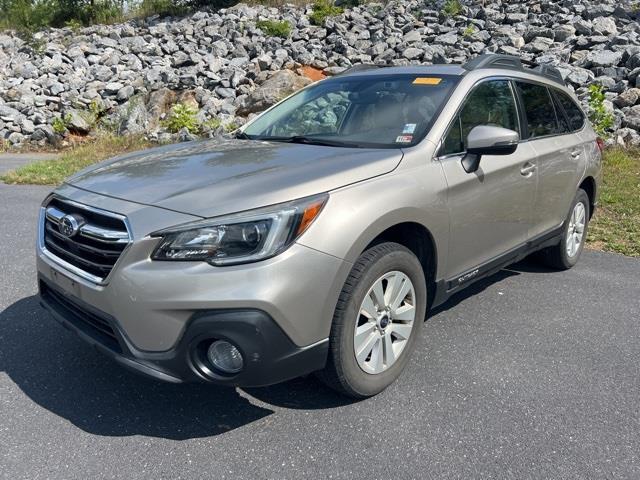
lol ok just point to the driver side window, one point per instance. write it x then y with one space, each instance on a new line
490 103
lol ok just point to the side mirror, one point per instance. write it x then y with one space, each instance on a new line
488 140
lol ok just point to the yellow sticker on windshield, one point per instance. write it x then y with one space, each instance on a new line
427 81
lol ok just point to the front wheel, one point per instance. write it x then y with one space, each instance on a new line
566 254
377 319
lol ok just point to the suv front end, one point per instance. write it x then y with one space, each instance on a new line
224 321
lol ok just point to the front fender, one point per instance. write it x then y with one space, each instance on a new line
355 215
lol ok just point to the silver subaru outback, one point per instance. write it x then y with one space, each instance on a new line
317 239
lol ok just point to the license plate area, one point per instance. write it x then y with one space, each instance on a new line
65 284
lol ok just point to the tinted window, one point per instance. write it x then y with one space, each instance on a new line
574 114
541 116
490 103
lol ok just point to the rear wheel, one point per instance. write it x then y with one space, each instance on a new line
566 254
377 319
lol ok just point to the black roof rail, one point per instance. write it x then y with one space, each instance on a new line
550 72
494 60
361 67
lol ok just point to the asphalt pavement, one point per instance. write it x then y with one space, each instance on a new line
11 161
530 374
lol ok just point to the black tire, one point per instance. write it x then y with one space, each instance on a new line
342 372
557 256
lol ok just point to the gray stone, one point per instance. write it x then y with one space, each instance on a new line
412 53
605 26
27 126
539 45
632 118
516 17
563 32
633 61
15 138
583 27
181 59
125 93
133 118
412 36
77 121
45 132
627 98
447 39
185 135
604 58
264 61
580 76
9 114
56 88
113 87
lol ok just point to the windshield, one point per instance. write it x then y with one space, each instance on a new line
380 111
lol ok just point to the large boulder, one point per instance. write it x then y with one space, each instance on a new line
77 121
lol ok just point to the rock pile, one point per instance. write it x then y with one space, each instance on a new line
126 77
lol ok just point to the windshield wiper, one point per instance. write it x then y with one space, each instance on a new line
307 141
242 136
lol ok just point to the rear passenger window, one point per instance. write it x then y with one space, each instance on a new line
490 103
541 116
574 113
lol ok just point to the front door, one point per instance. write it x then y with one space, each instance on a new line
490 209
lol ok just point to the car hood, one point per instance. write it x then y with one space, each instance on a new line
216 177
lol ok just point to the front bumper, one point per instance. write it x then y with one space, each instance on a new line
278 311
269 355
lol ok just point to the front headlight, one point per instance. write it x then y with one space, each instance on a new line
239 238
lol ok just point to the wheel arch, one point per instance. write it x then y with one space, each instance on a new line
589 186
419 240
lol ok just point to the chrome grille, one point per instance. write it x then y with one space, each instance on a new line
83 239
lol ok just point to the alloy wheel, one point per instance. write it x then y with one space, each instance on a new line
575 229
385 322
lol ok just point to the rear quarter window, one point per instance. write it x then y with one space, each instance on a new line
575 115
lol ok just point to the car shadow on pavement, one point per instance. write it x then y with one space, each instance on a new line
528 265
68 378
472 290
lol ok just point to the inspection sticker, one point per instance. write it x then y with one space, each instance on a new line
409 128
404 139
427 81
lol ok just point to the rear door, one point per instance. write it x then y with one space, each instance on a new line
558 152
490 209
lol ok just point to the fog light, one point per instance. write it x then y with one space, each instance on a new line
225 357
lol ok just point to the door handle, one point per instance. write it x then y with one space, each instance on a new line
575 154
527 169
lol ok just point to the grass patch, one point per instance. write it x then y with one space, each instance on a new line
182 116
616 224
273 28
323 9
53 172
451 8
